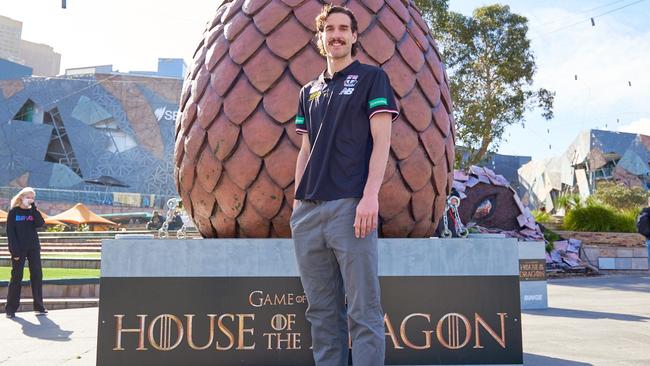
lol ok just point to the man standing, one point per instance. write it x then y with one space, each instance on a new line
344 117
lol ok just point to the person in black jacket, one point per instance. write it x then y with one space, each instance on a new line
643 226
156 221
22 221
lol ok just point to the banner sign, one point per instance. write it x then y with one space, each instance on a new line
532 269
429 320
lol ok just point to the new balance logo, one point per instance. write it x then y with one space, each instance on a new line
347 91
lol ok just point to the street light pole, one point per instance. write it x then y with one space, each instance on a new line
63 4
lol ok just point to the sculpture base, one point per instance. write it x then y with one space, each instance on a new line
239 301
532 269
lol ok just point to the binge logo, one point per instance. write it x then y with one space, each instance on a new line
24 218
166 114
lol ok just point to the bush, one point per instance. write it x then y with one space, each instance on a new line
621 197
600 219
55 229
551 237
568 202
541 216
627 220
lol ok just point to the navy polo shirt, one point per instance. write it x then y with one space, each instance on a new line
336 113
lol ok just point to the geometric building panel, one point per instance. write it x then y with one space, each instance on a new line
11 87
63 177
89 112
27 139
60 149
20 182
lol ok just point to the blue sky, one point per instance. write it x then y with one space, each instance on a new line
132 34
605 58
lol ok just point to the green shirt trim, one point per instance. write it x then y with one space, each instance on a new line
377 102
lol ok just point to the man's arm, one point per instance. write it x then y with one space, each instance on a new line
301 162
367 217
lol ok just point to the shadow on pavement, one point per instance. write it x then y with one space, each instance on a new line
632 282
585 314
537 360
44 329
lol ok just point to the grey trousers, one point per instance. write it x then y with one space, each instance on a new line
334 264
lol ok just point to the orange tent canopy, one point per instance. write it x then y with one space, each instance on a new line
80 214
48 220
3 216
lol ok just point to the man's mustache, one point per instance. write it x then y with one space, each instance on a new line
342 41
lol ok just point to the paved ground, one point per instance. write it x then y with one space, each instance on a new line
602 321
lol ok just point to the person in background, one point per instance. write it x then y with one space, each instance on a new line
176 222
643 226
22 221
156 221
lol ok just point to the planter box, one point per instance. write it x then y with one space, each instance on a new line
612 251
627 240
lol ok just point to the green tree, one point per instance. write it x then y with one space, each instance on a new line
621 197
435 12
491 68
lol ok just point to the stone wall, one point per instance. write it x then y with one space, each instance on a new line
612 251
617 258
627 240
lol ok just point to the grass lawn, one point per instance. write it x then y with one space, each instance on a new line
53 273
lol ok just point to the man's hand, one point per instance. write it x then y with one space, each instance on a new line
16 258
367 216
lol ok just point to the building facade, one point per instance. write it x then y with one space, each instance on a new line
10 36
40 58
61 133
595 155
12 71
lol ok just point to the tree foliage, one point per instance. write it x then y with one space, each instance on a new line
620 196
491 68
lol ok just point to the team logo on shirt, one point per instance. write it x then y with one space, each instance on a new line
316 90
351 81
349 84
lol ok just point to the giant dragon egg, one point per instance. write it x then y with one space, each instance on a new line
236 145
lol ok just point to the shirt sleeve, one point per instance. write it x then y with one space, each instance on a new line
12 238
301 123
381 97
38 218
